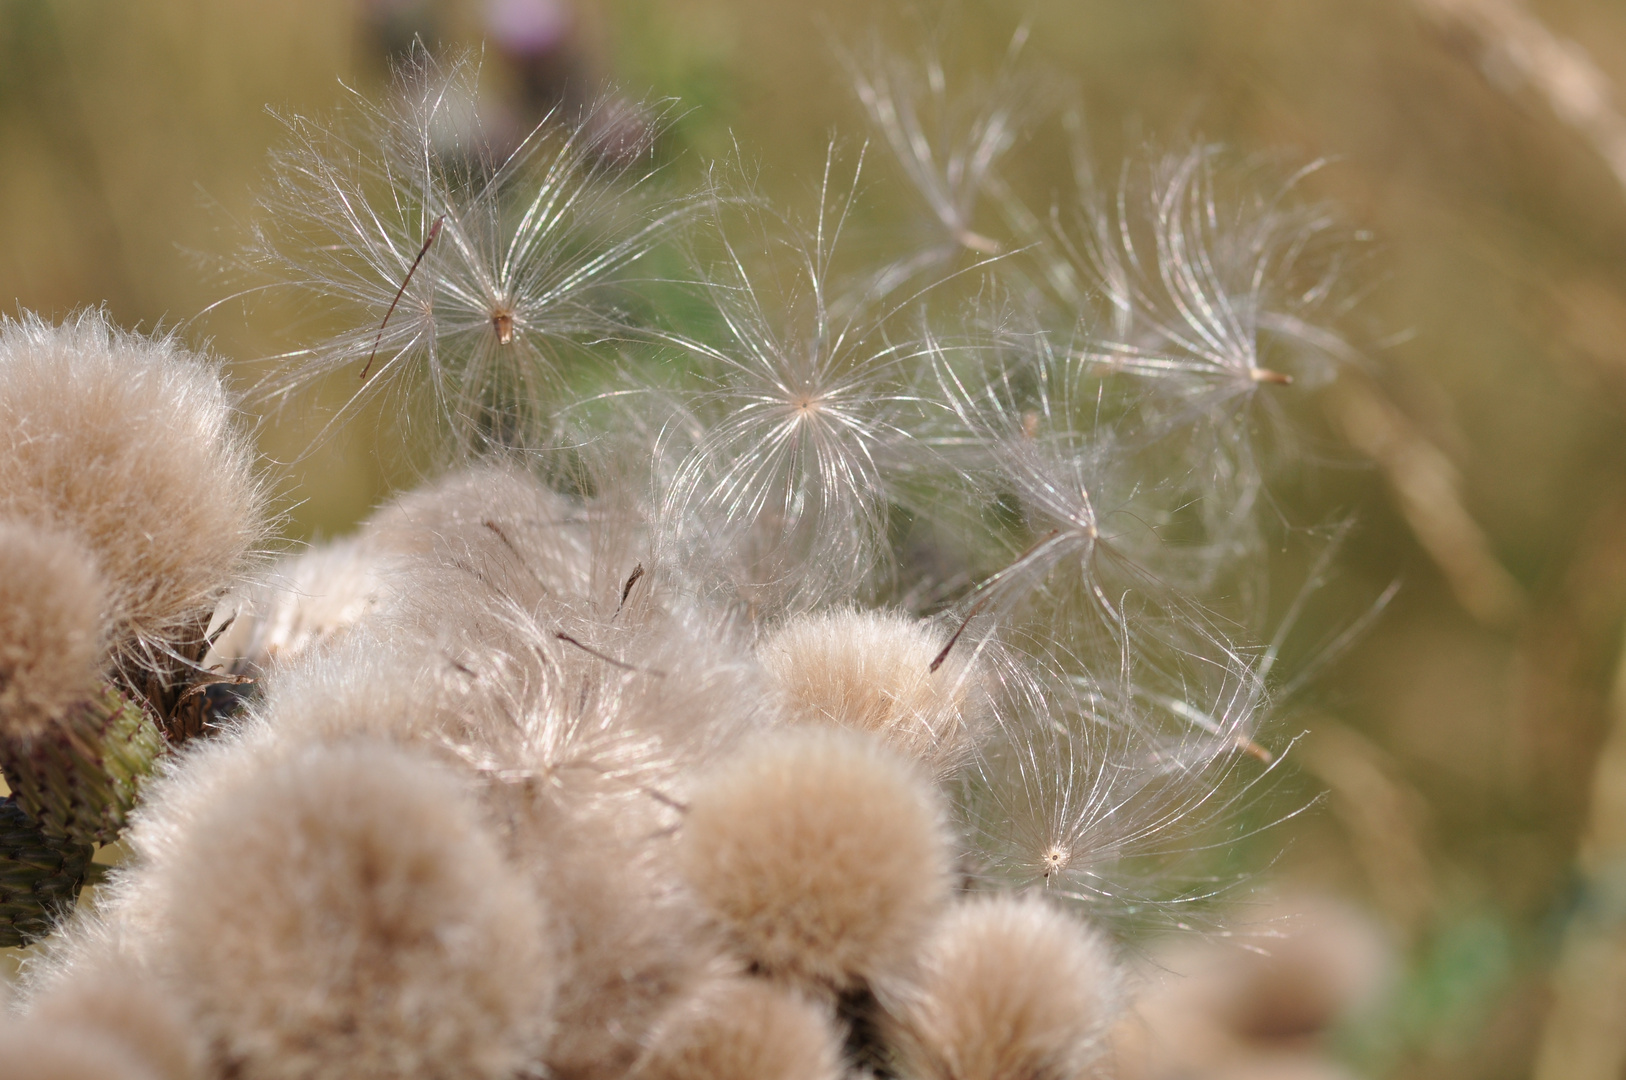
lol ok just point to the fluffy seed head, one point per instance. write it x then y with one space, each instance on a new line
120 1002
525 540
871 671
743 1029
1011 989
127 442
51 600
37 1051
343 914
822 854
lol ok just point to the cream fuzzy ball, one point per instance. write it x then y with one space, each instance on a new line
51 602
342 913
821 853
131 444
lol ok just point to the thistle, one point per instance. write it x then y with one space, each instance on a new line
736 1028
346 915
822 856
606 759
110 437
874 672
1010 987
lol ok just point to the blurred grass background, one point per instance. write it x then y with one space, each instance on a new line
1472 797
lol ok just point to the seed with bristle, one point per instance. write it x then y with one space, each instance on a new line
502 321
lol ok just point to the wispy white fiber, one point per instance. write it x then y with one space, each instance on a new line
470 287
807 395
948 143
1205 285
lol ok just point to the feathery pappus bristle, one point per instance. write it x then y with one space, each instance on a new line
949 145
872 671
343 913
298 603
497 526
740 1028
1010 988
516 536
470 286
823 856
1026 417
130 444
1201 288
806 400
1101 792
51 633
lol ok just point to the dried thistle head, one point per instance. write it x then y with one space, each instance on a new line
40 1051
821 855
342 911
131 444
500 524
52 601
741 1028
872 671
1009 986
116 1000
